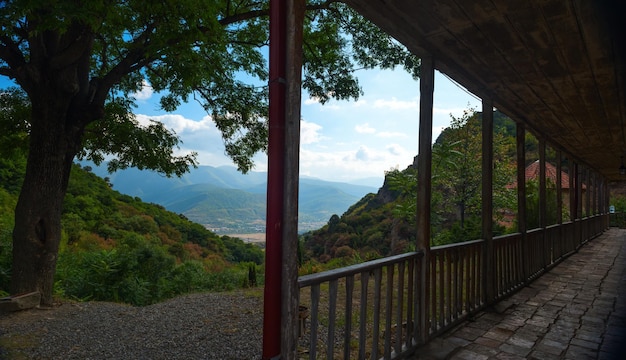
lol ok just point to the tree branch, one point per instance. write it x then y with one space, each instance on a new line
231 19
11 54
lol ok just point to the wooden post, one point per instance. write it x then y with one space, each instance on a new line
424 186
559 205
588 192
559 188
594 205
542 184
571 171
280 308
487 201
521 193
290 290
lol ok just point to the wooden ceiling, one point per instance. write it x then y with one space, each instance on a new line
555 65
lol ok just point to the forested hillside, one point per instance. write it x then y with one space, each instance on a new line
116 247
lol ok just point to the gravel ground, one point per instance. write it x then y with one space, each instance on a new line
197 326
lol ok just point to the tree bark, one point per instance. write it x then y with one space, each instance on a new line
37 231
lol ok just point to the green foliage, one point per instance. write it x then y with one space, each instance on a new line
186 50
118 248
238 251
7 204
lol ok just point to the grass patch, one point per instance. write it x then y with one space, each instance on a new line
12 346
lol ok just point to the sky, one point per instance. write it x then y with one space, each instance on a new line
343 141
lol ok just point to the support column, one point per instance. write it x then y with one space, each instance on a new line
521 193
559 188
579 207
557 246
487 201
543 214
424 186
594 202
572 188
290 289
542 184
280 308
588 192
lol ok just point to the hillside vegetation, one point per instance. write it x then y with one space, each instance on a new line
119 248
383 224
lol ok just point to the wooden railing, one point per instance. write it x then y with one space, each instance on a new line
455 283
363 311
371 310
508 264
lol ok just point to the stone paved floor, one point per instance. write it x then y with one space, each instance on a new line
577 310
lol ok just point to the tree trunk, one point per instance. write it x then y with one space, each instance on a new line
37 231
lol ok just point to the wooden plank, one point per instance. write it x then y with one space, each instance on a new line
376 324
399 307
424 179
315 308
388 311
410 333
348 317
487 198
332 316
363 314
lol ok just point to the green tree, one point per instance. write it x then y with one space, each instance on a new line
457 174
79 64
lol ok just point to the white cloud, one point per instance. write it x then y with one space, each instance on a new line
145 93
395 149
363 154
350 164
309 132
364 129
390 134
311 101
360 103
200 136
395 104
179 124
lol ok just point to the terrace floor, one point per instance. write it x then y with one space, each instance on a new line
577 310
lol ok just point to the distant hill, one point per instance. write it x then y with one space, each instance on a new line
227 201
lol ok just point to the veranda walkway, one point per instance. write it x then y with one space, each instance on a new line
577 310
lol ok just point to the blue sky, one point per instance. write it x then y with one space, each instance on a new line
340 140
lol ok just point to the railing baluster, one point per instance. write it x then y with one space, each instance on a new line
434 317
348 317
458 282
467 279
332 314
448 294
388 310
399 305
363 314
315 300
416 301
376 329
409 305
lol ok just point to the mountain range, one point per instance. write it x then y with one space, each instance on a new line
229 202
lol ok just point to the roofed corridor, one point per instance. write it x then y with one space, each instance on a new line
576 310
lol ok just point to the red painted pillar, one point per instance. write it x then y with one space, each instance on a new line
272 304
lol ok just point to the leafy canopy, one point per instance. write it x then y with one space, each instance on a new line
212 52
